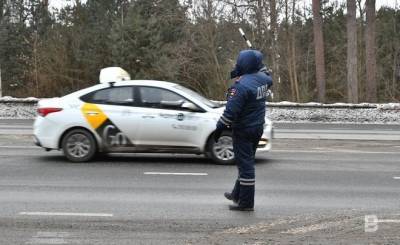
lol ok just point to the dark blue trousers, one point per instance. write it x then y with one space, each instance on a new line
245 143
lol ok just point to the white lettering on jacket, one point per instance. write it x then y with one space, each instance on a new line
262 92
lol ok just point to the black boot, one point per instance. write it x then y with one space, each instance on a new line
246 196
229 196
239 208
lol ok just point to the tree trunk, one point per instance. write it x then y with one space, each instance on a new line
294 60
274 49
35 60
319 50
370 50
259 21
1 9
360 49
1 91
288 53
352 81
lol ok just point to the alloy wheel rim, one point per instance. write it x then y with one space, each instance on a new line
223 149
78 145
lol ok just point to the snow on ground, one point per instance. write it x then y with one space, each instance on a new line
15 108
335 115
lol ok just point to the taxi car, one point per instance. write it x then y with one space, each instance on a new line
135 116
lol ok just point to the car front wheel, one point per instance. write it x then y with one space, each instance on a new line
221 152
79 145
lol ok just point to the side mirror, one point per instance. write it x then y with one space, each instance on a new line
190 106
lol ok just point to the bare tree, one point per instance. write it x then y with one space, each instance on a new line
288 51
2 5
274 45
370 51
352 81
319 50
293 53
360 47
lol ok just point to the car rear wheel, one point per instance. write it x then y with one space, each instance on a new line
221 152
79 145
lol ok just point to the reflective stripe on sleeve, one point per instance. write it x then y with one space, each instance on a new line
226 119
224 122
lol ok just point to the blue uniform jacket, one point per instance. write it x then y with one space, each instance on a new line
247 96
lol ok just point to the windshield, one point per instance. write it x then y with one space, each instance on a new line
198 97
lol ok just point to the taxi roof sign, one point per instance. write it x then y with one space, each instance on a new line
113 74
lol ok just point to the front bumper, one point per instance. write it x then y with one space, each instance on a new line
265 143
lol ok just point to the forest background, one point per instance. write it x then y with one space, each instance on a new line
327 51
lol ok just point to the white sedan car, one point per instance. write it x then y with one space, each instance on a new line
142 116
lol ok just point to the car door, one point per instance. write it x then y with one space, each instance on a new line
110 112
164 122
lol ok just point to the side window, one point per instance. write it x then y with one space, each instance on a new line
160 98
111 96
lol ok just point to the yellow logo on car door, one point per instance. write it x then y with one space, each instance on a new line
94 115
104 127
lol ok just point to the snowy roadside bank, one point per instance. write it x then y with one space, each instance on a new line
15 108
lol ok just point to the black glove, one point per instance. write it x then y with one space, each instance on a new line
235 72
217 134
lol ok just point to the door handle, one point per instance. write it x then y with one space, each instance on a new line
148 116
180 116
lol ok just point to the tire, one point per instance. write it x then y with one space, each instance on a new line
79 145
225 155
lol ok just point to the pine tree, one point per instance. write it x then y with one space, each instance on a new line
370 50
352 81
319 51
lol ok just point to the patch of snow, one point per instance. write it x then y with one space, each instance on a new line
312 104
13 99
390 106
25 108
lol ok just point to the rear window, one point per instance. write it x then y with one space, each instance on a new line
111 96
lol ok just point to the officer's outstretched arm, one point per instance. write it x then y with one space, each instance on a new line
236 99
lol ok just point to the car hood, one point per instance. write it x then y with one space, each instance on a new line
219 111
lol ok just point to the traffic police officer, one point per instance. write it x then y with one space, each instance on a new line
245 113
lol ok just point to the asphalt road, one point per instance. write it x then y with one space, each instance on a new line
307 192
281 130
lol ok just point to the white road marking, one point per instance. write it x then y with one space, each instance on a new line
336 151
47 241
16 126
167 173
396 177
389 221
19 147
316 150
371 222
49 238
356 135
66 214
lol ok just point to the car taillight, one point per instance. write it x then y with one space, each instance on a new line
45 111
